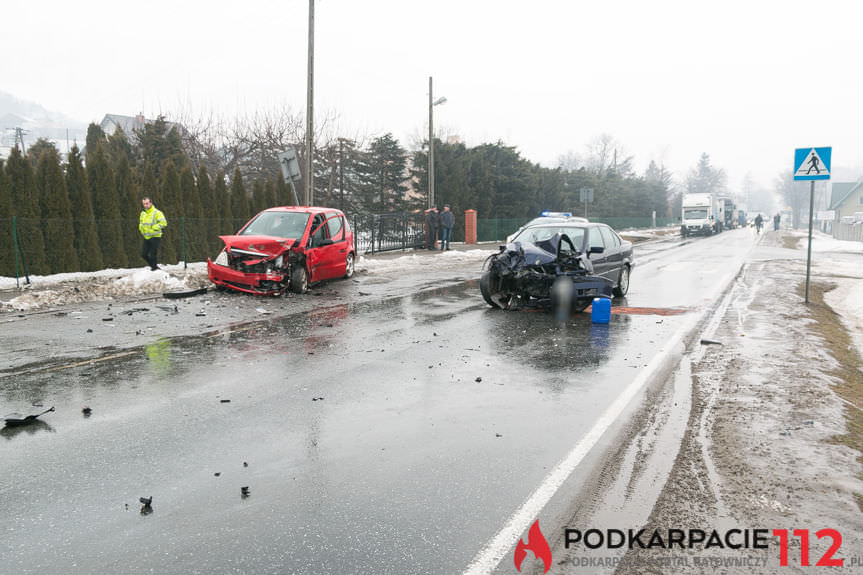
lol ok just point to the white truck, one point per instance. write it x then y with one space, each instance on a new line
702 214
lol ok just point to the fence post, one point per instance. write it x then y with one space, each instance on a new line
470 226
18 249
15 250
183 241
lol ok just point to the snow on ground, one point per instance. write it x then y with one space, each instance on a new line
383 264
840 261
60 289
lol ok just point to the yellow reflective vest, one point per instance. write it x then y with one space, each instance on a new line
151 223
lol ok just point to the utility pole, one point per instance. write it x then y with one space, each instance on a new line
341 175
310 96
431 146
19 138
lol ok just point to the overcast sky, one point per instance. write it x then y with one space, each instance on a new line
745 81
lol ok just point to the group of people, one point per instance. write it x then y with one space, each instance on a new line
759 221
439 221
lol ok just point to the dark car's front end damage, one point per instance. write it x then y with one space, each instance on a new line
255 264
549 273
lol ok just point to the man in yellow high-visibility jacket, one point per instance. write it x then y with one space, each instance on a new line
150 224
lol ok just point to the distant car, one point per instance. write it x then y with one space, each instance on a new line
547 218
591 257
285 248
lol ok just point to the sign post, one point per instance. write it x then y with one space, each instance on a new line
811 164
586 198
290 170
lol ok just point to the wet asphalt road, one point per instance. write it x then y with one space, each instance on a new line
381 427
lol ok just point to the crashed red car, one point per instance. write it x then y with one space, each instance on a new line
285 248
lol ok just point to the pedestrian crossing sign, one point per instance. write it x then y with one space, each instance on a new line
812 163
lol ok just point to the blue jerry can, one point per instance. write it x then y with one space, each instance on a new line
601 310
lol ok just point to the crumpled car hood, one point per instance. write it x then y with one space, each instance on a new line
520 255
266 246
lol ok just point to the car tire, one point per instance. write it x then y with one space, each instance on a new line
487 285
349 265
299 279
622 286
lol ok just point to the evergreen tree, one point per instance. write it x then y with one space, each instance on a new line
158 144
119 146
451 178
284 194
106 210
194 218
239 200
35 151
130 205
25 205
57 227
86 237
382 173
259 202
7 257
269 193
209 210
95 138
172 207
222 199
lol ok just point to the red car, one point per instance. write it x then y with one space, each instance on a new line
285 248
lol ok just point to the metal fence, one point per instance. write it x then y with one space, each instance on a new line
388 232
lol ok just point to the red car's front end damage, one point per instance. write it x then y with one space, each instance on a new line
255 264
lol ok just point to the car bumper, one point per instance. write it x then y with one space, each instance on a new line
258 284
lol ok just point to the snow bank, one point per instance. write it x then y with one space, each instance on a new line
66 288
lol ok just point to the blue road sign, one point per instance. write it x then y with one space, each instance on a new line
812 163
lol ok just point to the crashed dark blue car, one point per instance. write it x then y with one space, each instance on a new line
556 269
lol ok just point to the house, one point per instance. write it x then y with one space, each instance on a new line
130 125
846 200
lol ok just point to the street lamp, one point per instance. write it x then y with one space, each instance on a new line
432 104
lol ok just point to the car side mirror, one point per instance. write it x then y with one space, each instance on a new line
596 249
326 242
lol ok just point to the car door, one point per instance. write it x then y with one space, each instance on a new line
613 253
599 260
337 252
315 249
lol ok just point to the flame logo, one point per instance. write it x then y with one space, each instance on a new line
535 542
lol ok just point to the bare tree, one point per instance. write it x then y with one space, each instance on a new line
605 154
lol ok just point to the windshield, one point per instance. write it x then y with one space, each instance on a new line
540 233
695 213
277 224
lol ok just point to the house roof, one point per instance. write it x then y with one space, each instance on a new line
840 192
129 124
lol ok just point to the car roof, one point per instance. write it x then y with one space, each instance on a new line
302 209
573 223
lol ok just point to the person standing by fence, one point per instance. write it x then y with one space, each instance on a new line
447 219
432 223
151 223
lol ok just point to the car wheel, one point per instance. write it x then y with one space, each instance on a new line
488 285
299 279
349 265
622 283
